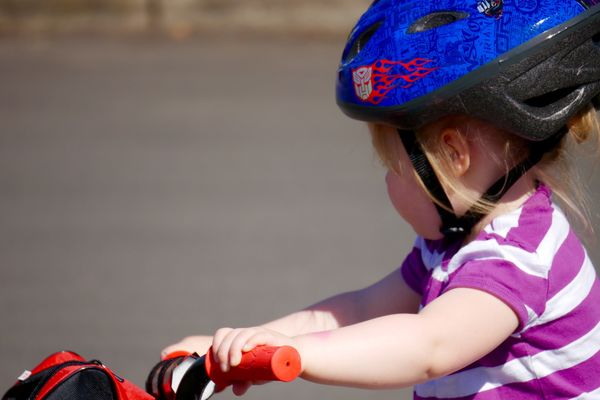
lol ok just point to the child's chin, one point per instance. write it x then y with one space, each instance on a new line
429 234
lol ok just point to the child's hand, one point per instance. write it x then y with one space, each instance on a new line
229 344
190 344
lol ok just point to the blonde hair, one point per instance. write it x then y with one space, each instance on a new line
556 169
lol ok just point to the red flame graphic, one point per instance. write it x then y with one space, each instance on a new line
383 81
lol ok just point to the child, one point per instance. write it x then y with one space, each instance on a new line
471 106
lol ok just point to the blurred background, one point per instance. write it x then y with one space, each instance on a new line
180 18
169 167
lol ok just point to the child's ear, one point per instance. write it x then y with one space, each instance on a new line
457 147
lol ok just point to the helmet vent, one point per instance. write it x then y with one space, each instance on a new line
550 98
361 41
596 39
435 20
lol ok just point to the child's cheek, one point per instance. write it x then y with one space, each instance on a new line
414 205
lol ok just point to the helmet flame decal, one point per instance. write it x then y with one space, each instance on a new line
373 82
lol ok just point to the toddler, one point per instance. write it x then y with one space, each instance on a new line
471 105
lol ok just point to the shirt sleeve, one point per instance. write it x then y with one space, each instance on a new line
523 292
413 269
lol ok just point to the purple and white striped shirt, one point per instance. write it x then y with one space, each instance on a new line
532 260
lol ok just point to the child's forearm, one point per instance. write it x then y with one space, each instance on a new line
332 313
394 350
390 295
391 351
397 350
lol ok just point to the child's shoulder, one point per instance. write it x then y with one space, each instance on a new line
530 234
533 226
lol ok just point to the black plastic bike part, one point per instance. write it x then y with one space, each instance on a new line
195 384
159 378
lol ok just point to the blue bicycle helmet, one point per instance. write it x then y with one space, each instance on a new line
526 66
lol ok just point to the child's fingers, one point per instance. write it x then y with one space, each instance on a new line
264 338
220 344
258 339
240 345
219 336
229 344
222 352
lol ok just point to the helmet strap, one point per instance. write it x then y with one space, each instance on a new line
452 225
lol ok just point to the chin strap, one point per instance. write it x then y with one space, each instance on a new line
452 225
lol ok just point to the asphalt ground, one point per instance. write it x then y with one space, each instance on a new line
152 189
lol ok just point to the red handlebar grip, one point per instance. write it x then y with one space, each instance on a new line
263 363
175 354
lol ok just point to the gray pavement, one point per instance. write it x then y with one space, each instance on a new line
152 189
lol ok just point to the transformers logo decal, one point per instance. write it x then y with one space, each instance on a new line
363 87
491 8
373 82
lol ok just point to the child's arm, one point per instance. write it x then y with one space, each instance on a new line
455 330
388 296
397 350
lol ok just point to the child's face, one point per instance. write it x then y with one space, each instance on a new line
411 201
